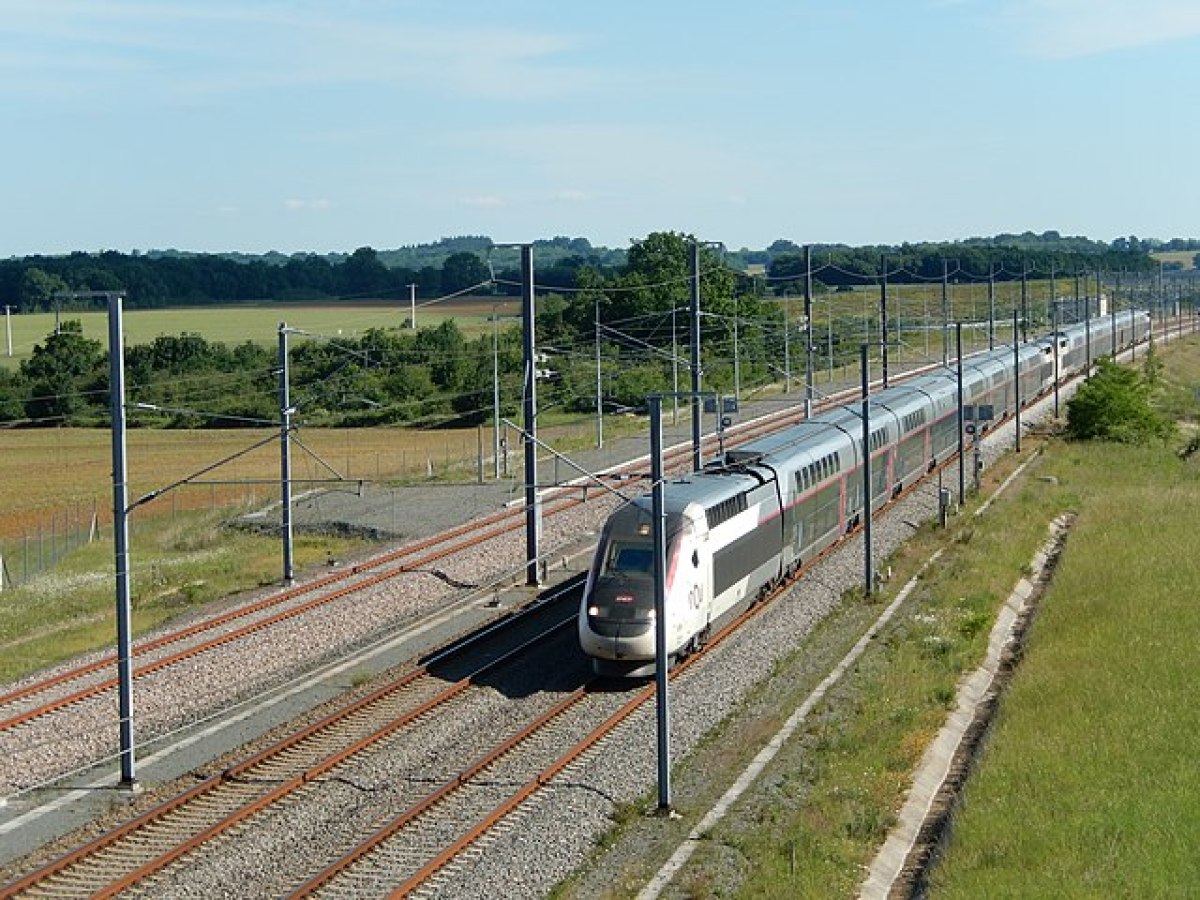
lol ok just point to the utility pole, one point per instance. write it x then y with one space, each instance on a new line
599 386
116 368
1056 340
8 327
868 560
1016 384
1053 297
808 338
412 306
787 343
533 517
285 454
1087 333
737 362
697 462
992 307
1024 302
962 447
496 391
662 662
883 318
674 371
945 312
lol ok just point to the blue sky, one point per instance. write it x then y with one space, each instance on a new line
303 126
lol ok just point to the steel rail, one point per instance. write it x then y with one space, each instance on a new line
233 780
382 835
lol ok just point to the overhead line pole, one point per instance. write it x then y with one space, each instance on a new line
883 318
599 385
120 481
868 559
945 312
285 454
533 518
808 338
697 461
662 663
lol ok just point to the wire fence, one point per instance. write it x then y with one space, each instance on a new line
38 549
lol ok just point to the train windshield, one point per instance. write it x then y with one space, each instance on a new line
629 559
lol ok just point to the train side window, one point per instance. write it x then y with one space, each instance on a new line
695 559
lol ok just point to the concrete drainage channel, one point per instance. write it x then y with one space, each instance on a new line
902 865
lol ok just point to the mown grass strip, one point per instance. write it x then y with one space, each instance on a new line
1088 787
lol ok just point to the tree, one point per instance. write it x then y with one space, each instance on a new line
363 273
461 271
1114 405
38 289
60 372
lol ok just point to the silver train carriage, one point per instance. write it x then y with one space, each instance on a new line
762 510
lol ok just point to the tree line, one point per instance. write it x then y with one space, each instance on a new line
625 324
172 278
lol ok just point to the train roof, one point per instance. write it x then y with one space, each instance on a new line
703 488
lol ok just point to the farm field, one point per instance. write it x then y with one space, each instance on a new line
260 324
1185 258
44 470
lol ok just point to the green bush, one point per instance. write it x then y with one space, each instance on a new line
1114 405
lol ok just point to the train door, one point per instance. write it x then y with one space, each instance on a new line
689 586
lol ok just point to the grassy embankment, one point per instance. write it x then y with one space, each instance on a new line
1087 788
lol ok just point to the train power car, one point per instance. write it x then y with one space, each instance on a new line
762 510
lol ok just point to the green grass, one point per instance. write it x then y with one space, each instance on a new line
1087 788
181 565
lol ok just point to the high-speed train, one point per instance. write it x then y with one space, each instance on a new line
759 512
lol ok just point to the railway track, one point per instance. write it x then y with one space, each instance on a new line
435 825
47 696
221 804
520 760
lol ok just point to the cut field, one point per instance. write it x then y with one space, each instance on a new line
44 470
260 324
1185 258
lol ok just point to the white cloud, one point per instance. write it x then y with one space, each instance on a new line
296 205
483 201
1073 28
572 195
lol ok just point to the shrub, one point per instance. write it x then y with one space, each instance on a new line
1114 405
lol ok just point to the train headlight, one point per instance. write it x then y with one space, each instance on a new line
593 611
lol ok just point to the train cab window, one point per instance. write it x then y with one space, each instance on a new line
631 558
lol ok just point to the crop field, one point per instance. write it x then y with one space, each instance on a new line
260 324
44 471
1185 258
